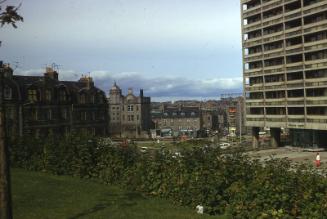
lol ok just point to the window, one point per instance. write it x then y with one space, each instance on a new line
93 99
100 98
83 116
64 114
34 114
93 115
83 98
130 108
137 108
7 93
32 95
48 95
130 117
62 95
49 114
138 117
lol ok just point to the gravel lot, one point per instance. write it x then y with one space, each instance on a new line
294 154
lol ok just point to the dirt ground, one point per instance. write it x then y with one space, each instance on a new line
294 154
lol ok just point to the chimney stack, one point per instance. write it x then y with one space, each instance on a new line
87 81
50 73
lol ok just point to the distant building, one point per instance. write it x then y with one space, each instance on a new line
235 115
178 120
129 116
41 105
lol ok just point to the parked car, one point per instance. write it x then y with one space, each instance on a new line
144 149
224 145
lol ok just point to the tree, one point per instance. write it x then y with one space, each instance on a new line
8 16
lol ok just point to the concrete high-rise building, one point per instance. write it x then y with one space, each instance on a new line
285 68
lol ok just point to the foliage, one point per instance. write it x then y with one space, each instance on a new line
224 182
10 15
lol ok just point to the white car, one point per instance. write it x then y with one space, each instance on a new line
224 145
144 149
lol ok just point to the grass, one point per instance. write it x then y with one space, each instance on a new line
44 196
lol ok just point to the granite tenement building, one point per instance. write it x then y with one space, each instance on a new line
129 116
40 105
285 69
173 120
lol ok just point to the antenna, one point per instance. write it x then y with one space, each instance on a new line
55 66
16 65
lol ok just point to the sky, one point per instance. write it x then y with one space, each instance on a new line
173 49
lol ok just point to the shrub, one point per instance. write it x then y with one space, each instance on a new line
226 182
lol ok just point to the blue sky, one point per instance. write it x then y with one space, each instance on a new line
171 48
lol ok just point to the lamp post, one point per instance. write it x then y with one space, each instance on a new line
5 190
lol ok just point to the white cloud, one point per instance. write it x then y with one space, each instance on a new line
156 87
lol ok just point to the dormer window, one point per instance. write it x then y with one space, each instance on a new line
32 95
7 93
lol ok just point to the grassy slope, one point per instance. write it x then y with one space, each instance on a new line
44 196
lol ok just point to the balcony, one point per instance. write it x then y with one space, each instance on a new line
295 101
253 57
317 45
279 117
272 20
252 42
316 101
314 8
294 49
255 87
252 11
316 64
294 66
271 4
315 27
275 102
313 80
292 14
295 121
252 72
273 37
252 116
275 86
295 31
250 27
274 53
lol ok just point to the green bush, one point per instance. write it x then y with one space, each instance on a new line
227 183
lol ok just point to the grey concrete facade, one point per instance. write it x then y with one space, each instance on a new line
285 64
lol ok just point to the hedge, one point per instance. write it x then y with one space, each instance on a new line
229 183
